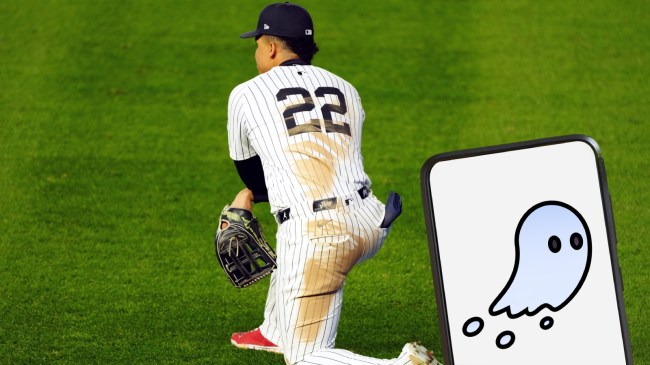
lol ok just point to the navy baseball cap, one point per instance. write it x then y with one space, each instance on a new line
283 20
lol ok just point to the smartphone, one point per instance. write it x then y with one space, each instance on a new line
523 255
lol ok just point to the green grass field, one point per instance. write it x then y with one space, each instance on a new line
114 161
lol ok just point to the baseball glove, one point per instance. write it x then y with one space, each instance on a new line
243 252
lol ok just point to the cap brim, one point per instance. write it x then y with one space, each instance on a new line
252 33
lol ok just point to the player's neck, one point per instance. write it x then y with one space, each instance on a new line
295 61
286 57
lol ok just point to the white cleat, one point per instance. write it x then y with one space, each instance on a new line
415 354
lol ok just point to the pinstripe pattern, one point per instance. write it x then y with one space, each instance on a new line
306 166
315 255
296 118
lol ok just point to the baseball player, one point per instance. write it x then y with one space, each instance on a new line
294 132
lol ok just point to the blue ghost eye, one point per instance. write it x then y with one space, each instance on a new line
554 244
576 241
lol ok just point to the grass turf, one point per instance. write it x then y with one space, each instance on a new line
114 164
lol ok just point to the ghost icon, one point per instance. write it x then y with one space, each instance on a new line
552 258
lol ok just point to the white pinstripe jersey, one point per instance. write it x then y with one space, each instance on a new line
305 124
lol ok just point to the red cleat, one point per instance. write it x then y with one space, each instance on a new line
254 340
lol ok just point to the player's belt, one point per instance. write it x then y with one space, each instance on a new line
321 204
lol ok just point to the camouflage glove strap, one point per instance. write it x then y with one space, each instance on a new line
243 252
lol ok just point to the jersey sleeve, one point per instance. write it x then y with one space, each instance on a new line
238 125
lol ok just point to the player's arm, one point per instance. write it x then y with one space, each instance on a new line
247 162
243 200
252 174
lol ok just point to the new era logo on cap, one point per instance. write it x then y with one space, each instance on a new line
308 32
266 26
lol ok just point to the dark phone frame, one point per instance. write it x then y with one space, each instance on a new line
429 216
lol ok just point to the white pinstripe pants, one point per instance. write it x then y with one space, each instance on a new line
315 254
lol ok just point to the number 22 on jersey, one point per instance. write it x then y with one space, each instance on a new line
314 125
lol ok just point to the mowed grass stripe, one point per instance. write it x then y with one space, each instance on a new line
106 272
114 158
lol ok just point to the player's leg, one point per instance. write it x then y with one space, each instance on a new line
334 248
309 284
269 327
317 254
412 354
267 336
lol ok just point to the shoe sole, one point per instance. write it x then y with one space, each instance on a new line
417 361
274 350
423 356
